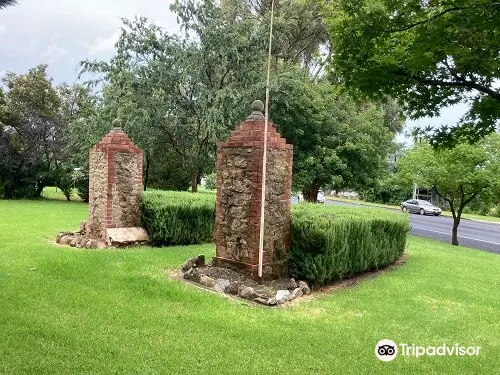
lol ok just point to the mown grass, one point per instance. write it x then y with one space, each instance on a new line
71 311
53 193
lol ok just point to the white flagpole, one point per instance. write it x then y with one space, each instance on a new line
264 158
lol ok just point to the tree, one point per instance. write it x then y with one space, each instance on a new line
458 175
427 54
188 90
6 3
30 143
338 142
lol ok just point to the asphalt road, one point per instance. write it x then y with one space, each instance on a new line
471 233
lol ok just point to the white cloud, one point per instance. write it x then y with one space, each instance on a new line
3 29
102 46
53 53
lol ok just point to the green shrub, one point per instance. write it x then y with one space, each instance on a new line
332 243
178 218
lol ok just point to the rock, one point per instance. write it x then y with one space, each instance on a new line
65 240
221 284
199 261
206 280
272 302
232 288
262 301
193 274
304 287
73 242
94 244
88 243
101 245
247 292
188 265
126 236
297 292
283 296
291 284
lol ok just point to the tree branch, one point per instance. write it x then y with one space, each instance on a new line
412 25
460 83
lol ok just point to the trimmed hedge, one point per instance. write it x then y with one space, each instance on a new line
178 218
331 243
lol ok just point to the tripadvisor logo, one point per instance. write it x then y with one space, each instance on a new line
386 350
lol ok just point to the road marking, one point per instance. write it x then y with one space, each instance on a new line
449 234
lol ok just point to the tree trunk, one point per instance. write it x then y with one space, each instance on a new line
194 182
311 193
146 171
454 231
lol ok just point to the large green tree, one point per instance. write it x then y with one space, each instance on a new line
458 175
428 54
338 142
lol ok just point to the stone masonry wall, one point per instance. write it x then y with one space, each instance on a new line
97 193
115 184
126 197
239 179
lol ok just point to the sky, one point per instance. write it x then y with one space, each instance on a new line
61 33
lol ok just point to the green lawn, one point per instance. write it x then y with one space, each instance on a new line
73 311
53 193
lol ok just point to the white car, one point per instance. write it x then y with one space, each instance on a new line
320 197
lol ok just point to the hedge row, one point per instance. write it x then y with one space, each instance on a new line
178 218
328 242
332 243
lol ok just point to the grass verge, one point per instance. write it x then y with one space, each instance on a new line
72 311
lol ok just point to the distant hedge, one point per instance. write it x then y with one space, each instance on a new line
332 243
178 218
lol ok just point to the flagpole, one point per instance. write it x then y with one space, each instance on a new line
264 157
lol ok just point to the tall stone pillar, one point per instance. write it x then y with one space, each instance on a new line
115 188
239 188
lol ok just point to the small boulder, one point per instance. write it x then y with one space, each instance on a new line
199 261
272 302
304 287
206 281
66 240
297 292
232 288
189 264
221 284
283 296
262 301
247 292
193 274
291 284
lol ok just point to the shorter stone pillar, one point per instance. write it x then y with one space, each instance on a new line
115 188
239 188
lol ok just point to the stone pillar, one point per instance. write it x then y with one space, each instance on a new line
115 188
239 183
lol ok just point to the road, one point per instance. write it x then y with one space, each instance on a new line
471 233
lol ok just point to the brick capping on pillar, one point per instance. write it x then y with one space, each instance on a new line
239 184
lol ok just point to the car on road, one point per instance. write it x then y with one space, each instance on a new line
320 198
420 206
